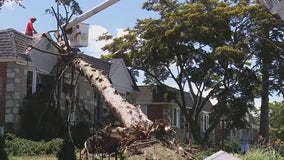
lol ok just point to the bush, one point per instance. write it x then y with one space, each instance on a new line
278 145
22 147
202 153
3 153
232 146
80 133
67 149
257 153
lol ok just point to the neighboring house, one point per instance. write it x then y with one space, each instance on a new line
153 103
23 69
234 134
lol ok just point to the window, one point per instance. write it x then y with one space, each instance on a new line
176 117
30 87
205 122
36 82
144 108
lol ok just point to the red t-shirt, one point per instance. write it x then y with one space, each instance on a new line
29 29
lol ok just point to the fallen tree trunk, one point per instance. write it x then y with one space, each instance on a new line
127 114
133 141
135 125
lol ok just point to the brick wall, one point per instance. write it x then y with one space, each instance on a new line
3 78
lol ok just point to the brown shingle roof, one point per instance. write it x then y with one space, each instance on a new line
15 44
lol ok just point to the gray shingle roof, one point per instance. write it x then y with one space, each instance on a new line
146 94
15 44
102 65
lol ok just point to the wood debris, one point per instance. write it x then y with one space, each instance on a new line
133 139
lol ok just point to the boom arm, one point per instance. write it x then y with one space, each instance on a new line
90 13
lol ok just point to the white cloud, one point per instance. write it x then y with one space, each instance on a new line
120 32
94 47
9 5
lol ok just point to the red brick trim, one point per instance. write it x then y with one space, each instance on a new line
3 80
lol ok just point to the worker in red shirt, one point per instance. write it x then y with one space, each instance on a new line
30 28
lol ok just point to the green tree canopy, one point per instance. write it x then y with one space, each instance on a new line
277 119
200 46
266 45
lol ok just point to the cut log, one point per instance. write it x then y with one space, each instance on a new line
127 114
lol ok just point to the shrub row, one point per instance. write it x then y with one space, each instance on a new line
22 147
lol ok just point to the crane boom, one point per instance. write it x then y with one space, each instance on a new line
90 13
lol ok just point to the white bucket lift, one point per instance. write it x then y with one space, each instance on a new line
78 36
275 7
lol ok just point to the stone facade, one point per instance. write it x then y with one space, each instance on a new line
3 76
15 91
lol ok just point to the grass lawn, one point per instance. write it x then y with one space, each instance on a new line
45 157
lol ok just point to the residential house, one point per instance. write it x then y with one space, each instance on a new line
223 131
122 80
153 102
26 65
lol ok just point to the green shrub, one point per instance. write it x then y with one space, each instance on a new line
232 146
22 147
80 132
278 145
67 149
202 154
3 153
256 153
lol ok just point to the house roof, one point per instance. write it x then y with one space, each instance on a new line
146 95
14 44
116 63
99 64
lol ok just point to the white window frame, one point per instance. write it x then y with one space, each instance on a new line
34 79
73 116
176 116
205 121
144 108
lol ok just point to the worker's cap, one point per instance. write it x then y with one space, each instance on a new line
33 19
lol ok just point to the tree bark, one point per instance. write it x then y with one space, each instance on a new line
127 114
264 108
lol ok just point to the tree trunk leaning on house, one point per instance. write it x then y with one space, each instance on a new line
135 124
127 114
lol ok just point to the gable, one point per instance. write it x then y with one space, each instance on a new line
120 76
43 60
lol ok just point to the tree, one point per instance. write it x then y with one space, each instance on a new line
131 117
136 125
276 117
128 114
266 43
200 46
